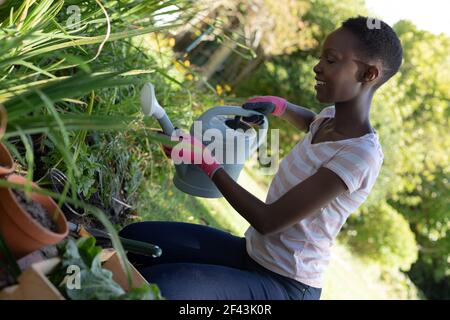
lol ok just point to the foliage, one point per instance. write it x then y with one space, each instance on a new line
264 20
433 285
9 270
57 83
382 234
96 283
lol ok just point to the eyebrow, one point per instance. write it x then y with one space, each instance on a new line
333 51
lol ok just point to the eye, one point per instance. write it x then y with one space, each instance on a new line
328 60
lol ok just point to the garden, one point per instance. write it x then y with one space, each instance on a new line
79 160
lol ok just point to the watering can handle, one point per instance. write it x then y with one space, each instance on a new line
237 111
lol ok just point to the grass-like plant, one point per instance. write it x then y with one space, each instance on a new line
53 65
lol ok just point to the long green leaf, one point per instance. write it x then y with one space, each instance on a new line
88 41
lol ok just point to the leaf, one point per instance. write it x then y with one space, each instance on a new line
96 283
88 250
7 260
145 292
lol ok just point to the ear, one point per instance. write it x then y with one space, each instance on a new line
371 73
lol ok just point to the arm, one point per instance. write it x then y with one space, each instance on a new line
299 202
298 116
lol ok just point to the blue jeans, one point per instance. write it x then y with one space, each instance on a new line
203 263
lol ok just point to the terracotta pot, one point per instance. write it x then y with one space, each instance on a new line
22 233
6 161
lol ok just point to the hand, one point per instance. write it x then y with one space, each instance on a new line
266 105
166 149
191 151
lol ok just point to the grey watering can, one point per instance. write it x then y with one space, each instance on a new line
233 142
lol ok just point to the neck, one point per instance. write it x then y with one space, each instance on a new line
352 117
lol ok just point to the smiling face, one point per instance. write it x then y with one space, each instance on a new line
339 77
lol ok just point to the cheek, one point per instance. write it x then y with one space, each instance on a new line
346 85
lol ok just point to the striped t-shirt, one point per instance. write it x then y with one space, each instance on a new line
302 251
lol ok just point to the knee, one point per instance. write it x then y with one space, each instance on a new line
141 231
167 280
181 281
130 231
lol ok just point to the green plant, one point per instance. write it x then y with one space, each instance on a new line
96 283
382 234
9 270
51 73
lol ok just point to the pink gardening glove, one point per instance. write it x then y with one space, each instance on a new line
191 151
267 105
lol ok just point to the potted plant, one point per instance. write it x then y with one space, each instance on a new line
29 222
101 276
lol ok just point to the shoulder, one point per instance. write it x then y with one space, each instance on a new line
358 164
366 150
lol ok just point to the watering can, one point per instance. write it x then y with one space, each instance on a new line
234 142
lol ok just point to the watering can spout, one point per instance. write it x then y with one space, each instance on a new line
151 107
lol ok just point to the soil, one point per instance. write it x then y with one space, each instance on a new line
36 210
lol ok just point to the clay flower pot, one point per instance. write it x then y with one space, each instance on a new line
6 161
22 233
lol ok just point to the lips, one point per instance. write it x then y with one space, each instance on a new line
319 83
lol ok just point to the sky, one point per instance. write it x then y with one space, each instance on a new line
431 15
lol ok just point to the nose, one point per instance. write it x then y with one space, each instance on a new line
317 68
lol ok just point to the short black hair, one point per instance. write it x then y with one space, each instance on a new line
378 41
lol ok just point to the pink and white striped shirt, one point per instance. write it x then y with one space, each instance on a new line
302 251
